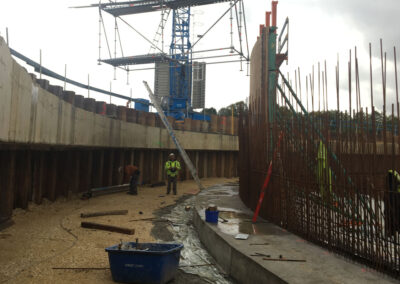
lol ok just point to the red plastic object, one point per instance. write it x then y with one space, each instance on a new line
266 182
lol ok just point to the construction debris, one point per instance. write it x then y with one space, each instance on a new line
104 213
242 236
260 254
81 268
104 190
91 225
285 259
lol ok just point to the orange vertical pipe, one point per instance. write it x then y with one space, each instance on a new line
268 19
274 12
261 29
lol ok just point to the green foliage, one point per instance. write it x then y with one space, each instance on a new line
227 111
210 111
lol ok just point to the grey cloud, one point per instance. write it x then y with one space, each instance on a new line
374 19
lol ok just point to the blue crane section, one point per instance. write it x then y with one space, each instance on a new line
178 62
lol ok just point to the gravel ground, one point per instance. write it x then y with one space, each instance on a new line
49 235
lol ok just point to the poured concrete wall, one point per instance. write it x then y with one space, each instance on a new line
31 114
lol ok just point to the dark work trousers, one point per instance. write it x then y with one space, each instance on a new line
173 181
133 184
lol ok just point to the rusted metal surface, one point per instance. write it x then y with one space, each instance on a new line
330 181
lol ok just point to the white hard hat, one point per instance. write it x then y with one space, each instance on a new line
172 154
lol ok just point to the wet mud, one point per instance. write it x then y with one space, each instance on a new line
196 265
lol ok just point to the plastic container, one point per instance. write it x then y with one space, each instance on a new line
212 216
152 263
142 104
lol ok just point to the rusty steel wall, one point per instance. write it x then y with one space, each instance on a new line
33 174
330 181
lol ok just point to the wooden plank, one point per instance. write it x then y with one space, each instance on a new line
97 226
104 213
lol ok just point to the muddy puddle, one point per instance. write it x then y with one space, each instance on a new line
179 228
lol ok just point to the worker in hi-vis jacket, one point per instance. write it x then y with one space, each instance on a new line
172 167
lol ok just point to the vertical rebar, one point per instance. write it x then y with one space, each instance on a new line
295 82
326 86
370 76
349 70
300 84
319 87
397 98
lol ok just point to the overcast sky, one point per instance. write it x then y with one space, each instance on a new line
319 30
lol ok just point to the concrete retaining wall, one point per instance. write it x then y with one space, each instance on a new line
32 113
237 265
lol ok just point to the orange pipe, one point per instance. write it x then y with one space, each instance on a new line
274 12
268 19
261 29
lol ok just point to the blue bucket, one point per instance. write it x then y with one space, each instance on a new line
212 216
153 263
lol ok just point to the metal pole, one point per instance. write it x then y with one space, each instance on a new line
162 26
40 62
8 44
100 23
182 151
130 102
65 77
232 130
88 84
115 46
110 90
231 20
212 26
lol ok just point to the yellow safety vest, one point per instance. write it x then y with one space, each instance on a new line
397 177
172 164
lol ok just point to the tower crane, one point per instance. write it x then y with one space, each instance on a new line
179 62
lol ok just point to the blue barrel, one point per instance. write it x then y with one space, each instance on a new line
151 263
212 216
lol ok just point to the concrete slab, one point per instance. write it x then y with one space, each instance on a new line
235 256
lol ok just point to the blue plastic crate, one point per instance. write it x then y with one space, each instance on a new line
212 216
153 263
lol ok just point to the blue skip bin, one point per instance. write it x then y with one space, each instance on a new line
149 263
212 216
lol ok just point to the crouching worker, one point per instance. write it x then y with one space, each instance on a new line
172 167
132 172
